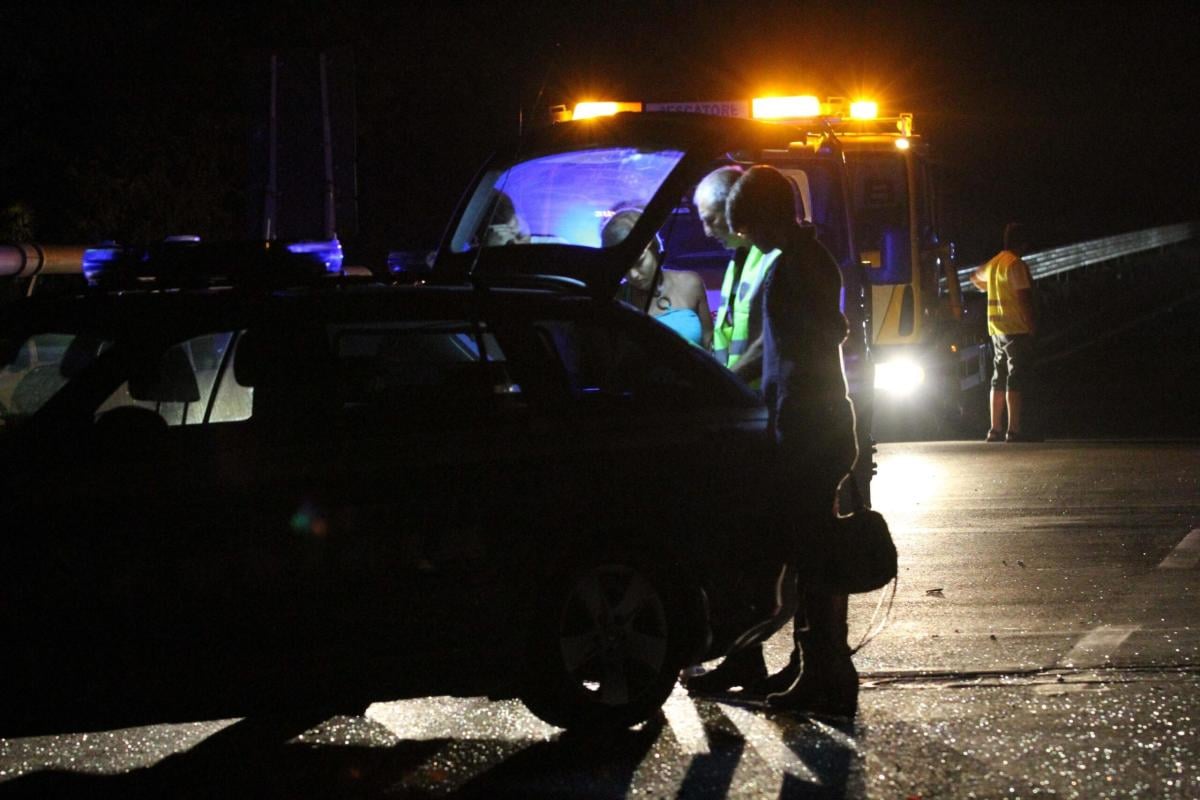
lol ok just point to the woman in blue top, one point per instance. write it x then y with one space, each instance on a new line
676 298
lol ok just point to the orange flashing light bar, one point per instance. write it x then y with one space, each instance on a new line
796 107
864 109
591 110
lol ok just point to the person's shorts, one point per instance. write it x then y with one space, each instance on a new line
1012 362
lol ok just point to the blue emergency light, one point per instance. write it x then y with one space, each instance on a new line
408 265
96 260
185 261
328 253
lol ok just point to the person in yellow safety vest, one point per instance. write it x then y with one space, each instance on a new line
737 343
737 334
1012 324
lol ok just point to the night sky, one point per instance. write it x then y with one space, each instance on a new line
129 121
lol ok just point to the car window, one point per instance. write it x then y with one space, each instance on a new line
234 401
561 198
601 361
178 386
412 371
41 366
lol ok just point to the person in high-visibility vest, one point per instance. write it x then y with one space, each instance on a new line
737 333
1012 324
737 343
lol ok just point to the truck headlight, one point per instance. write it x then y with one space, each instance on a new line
899 378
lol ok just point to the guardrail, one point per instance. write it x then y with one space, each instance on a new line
1057 260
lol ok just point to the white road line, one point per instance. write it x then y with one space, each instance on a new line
767 739
1094 649
1186 554
685 723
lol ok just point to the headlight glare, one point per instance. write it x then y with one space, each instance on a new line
899 378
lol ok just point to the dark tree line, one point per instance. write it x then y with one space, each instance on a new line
129 120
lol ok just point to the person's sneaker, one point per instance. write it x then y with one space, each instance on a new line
994 436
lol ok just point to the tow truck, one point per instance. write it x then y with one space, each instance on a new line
930 357
815 163
921 357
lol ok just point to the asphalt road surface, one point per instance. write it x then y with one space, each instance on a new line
1043 642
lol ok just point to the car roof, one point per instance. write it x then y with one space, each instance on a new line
154 315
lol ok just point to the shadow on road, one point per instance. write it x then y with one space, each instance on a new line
255 757
263 758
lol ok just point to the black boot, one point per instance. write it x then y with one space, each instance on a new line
744 668
828 682
828 686
781 681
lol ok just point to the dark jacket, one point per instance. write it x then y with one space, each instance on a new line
803 327
804 385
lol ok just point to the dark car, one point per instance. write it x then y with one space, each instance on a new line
226 503
227 500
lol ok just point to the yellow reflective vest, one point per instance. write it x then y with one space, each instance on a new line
739 319
1006 275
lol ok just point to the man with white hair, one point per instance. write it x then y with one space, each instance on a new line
737 343
737 334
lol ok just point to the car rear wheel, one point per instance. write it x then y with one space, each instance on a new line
607 646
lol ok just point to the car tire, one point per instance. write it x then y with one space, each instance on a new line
609 639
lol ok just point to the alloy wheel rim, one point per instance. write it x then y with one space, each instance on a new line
613 634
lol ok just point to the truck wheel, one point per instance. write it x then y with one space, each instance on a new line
608 642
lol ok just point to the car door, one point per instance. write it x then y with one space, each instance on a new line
167 501
376 467
118 513
660 438
647 449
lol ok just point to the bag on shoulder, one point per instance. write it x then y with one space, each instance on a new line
858 555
